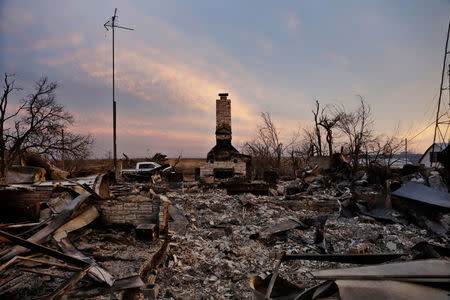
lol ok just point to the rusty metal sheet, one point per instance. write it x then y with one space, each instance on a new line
386 289
24 174
369 259
430 270
98 183
80 221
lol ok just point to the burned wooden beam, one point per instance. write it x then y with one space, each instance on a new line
42 273
17 259
47 262
274 276
63 289
45 234
96 271
10 284
42 249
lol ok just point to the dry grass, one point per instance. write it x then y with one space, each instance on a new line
188 165
96 166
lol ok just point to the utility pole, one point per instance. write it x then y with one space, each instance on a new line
113 23
406 150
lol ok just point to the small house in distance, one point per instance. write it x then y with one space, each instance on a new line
223 160
434 155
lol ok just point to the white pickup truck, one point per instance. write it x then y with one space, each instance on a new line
146 167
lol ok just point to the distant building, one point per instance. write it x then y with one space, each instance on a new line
224 160
434 155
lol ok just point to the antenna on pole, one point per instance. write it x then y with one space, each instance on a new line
113 23
440 135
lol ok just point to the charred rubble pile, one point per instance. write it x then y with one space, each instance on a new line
323 235
228 243
79 237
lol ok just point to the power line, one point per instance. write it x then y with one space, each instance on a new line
428 126
410 139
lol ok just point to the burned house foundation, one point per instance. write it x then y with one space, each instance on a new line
223 160
135 210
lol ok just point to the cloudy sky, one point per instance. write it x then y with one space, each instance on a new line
270 56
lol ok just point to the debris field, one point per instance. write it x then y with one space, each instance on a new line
157 236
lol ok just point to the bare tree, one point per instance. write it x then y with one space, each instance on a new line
8 88
38 124
266 148
295 153
269 135
310 145
392 147
383 150
357 127
317 128
328 120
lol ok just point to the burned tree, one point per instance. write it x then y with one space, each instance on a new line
383 150
266 149
310 145
357 128
8 88
317 128
37 126
295 152
326 118
328 121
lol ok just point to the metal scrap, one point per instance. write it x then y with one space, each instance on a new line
424 194
431 270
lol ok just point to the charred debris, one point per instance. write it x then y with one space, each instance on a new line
156 233
323 235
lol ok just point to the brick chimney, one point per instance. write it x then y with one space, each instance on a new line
223 118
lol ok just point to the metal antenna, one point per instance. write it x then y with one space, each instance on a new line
113 23
438 133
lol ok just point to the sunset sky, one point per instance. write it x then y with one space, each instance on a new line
270 56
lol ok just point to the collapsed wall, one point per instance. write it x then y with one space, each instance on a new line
129 210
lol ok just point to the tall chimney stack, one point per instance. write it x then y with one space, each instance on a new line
223 118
